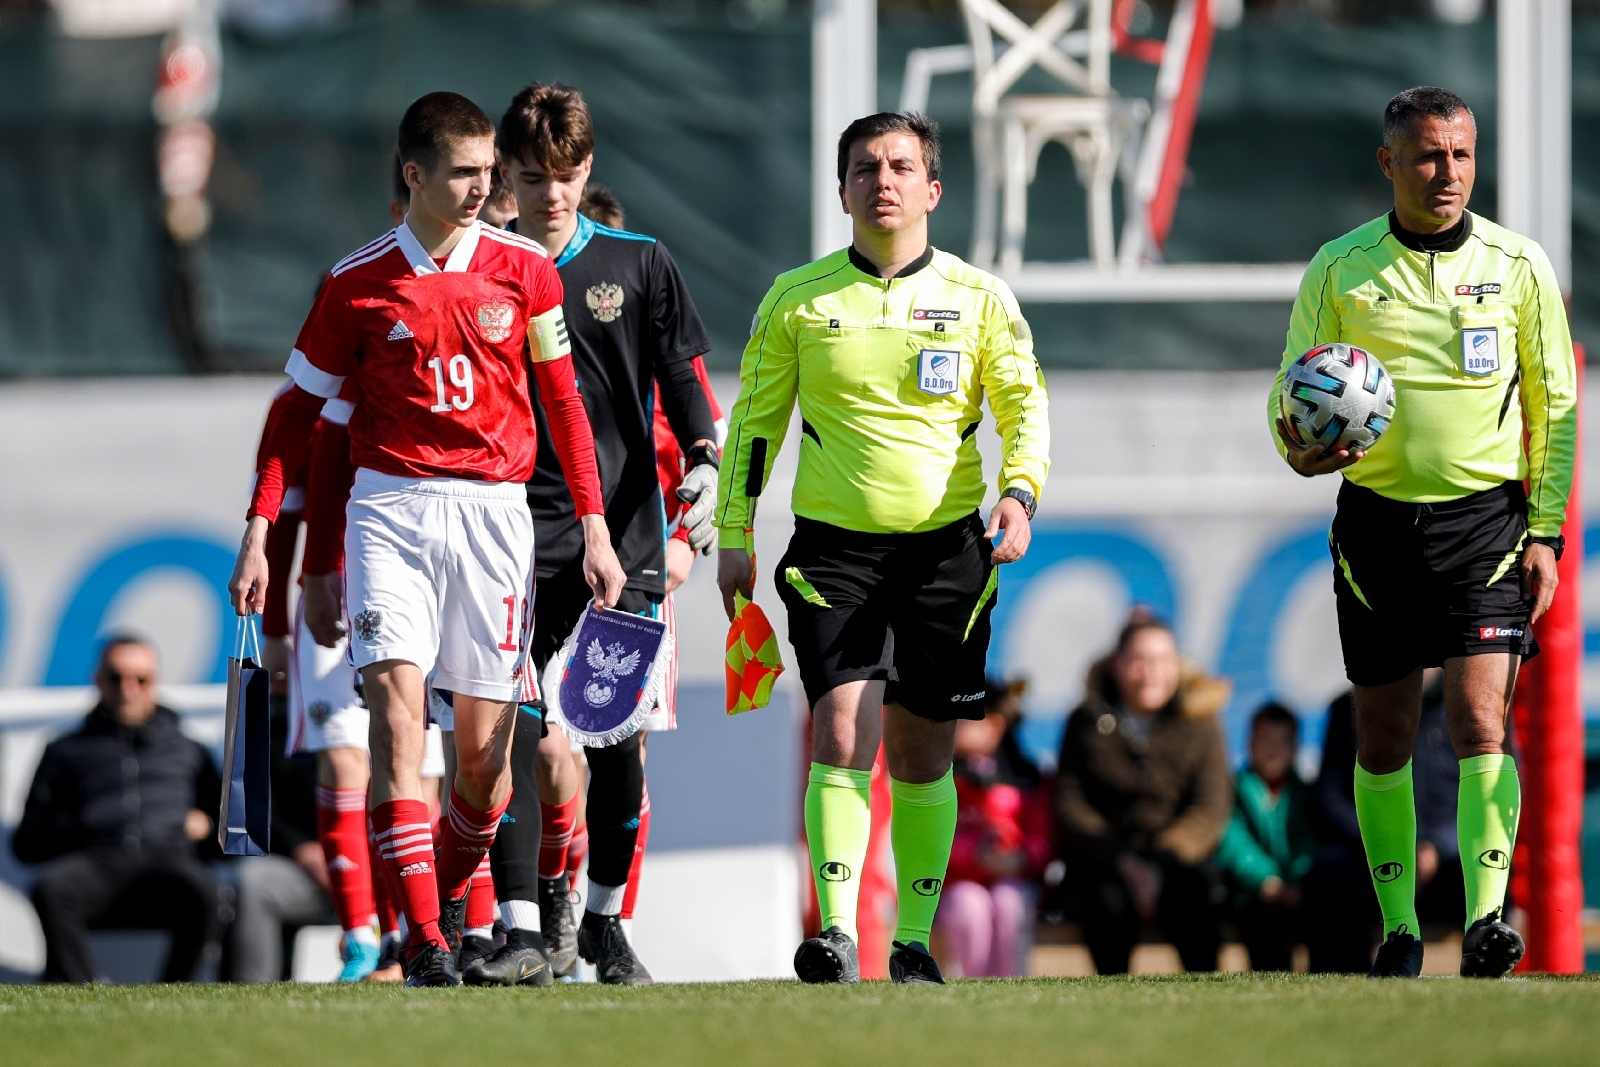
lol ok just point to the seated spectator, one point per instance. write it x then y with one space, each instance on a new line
1142 796
1343 910
1270 843
289 888
114 813
1002 842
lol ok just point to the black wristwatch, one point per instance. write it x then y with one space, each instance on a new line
702 454
1558 543
1023 497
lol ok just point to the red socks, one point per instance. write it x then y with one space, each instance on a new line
480 897
465 834
385 894
577 852
631 894
405 848
342 831
556 836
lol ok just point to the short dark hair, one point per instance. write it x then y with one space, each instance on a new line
1405 108
601 205
1277 714
120 640
397 178
912 122
435 122
549 124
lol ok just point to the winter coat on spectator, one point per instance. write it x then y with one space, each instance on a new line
106 785
1270 834
1004 807
1166 790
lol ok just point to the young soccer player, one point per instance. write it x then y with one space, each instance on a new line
433 325
890 578
632 325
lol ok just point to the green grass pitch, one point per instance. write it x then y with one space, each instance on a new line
1163 1022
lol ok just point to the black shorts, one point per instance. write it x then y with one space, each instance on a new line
1418 584
910 609
558 603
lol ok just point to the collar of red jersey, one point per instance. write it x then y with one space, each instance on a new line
422 263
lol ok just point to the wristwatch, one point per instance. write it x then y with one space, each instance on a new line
1557 543
1023 497
702 454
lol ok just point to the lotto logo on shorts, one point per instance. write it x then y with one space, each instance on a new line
1489 633
420 867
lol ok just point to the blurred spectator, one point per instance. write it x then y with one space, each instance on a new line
1270 843
114 813
1002 842
288 889
1345 922
1142 795
601 205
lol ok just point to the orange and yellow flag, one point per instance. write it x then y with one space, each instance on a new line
753 661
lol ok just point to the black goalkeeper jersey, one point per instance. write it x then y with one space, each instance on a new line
632 323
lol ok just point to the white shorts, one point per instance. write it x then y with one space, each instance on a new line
439 573
432 752
324 709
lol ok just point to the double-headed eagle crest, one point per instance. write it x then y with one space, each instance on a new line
605 300
609 664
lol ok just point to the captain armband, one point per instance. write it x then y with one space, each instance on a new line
548 336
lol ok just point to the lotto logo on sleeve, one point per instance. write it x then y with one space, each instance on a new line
1489 633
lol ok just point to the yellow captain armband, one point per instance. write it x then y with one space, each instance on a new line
547 336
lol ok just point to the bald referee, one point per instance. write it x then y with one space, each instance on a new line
1447 532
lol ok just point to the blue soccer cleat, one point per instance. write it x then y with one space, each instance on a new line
360 959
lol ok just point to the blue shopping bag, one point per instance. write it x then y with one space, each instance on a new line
244 825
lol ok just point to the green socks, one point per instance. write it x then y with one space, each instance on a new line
1486 827
922 829
838 824
1388 817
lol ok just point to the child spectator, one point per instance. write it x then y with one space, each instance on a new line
1002 842
1269 844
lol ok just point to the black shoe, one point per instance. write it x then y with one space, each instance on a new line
520 961
1490 949
829 957
473 950
911 964
560 931
1400 956
452 916
429 965
602 942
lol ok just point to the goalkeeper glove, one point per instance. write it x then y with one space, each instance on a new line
699 491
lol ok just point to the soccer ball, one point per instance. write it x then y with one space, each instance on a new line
1339 396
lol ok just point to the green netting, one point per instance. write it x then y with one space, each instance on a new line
704 134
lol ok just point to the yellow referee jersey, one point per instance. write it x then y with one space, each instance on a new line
1475 338
890 376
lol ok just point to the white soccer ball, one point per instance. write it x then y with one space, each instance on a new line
1339 396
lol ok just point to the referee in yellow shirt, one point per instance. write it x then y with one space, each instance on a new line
1447 532
890 347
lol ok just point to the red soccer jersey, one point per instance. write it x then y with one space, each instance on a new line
438 356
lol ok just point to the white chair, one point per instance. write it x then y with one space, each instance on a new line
1101 129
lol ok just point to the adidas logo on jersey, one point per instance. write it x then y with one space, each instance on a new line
341 863
400 332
